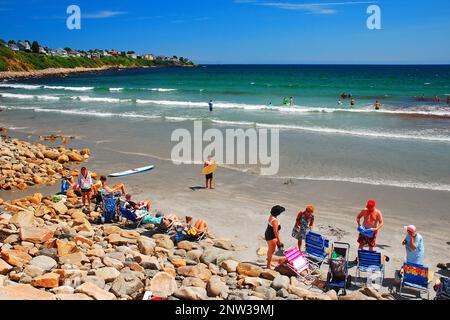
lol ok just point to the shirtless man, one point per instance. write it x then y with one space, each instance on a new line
372 220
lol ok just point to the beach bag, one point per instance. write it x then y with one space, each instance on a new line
338 268
296 231
64 186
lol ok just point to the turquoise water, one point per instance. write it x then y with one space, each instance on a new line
406 143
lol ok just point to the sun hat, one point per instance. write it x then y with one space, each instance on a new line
410 228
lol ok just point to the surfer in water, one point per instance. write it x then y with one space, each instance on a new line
291 102
209 177
210 105
352 102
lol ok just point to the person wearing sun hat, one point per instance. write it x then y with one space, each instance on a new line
415 248
303 224
372 221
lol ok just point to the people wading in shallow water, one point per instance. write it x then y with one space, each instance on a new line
272 234
210 105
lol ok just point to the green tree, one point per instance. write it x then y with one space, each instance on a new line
35 47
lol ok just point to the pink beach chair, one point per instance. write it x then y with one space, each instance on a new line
296 261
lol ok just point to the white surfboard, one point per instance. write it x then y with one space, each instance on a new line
130 172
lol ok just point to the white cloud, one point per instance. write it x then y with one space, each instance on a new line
101 14
315 8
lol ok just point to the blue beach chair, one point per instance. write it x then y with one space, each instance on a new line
317 249
131 216
109 204
443 293
368 261
415 277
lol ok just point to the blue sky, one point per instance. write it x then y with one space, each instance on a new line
242 31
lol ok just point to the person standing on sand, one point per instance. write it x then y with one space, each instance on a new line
303 224
209 177
372 219
85 186
415 249
210 105
272 234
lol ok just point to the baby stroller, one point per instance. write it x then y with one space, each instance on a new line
338 277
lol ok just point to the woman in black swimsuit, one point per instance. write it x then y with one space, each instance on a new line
272 235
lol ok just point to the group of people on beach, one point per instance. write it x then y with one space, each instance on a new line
369 221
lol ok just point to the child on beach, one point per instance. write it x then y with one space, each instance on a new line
85 186
210 105
372 220
272 234
303 224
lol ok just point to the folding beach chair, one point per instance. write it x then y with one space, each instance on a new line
368 261
197 235
131 216
415 277
317 249
338 277
109 207
297 262
443 293
167 225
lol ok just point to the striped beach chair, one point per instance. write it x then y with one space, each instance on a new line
415 277
317 249
369 261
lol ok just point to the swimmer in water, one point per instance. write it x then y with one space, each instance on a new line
377 105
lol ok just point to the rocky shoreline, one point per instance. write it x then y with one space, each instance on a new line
24 164
52 250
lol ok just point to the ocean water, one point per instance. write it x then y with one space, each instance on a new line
405 144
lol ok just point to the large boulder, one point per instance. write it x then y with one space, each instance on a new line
199 271
191 293
16 257
248 269
215 255
107 273
163 285
24 292
44 262
48 280
127 284
5 267
281 282
146 245
229 265
23 219
217 288
95 292
35 234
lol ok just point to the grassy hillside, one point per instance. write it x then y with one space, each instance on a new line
25 61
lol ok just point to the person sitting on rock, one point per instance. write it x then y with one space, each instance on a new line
115 189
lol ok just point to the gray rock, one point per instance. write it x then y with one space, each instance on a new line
44 262
283 293
191 293
281 282
127 284
99 282
266 292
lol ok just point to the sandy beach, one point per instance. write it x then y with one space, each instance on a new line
238 208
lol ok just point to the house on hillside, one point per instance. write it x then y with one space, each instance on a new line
24 45
58 52
148 57
13 47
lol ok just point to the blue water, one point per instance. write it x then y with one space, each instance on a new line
406 143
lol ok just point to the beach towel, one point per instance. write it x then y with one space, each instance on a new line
369 233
